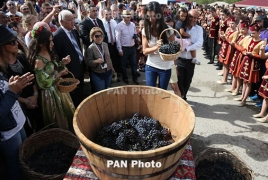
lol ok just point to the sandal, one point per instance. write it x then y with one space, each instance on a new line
241 104
258 116
262 120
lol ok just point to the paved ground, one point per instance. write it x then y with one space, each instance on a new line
221 123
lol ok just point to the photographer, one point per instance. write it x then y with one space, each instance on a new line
125 33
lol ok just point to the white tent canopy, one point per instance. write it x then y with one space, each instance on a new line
220 3
144 2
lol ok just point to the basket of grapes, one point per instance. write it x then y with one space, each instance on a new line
172 50
66 85
218 163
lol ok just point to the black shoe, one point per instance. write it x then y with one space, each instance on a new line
126 81
216 64
210 62
207 57
138 74
136 82
219 68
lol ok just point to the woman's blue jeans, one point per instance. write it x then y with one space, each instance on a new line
101 81
152 73
10 150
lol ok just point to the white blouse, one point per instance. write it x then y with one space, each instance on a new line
154 59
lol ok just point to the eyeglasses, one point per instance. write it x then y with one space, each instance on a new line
11 4
98 36
12 42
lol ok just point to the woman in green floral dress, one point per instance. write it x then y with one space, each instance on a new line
56 107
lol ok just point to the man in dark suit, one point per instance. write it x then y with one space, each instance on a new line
66 42
88 23
85 27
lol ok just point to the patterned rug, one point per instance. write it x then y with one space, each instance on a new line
81 170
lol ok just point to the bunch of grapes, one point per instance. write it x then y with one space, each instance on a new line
217 170
66 83
135 134
170 48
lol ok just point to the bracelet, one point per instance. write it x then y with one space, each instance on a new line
35 93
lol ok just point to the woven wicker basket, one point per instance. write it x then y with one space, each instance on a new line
170 57
66 89
40 140
212 154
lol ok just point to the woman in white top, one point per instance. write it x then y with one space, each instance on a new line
155 67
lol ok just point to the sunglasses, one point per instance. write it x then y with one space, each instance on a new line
12 42
98 36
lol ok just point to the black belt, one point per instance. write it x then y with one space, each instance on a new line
185 59
127 46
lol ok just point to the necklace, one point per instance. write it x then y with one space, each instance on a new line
16 67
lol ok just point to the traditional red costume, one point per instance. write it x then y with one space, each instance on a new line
263 90
238 55
250 67
227 51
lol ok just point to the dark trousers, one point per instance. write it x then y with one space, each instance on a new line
77 94
205 43
129 53
212 42
218 48
114 57
185 75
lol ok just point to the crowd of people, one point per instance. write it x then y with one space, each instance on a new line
44 41
238 38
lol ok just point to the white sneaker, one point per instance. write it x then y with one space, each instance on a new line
195 61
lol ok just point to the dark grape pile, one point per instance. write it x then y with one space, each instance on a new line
217 170
170 48
66 83
135 134
55 158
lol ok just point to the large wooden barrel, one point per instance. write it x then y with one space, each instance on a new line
118 103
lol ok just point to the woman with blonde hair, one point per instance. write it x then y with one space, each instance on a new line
99 60
31 8
28 22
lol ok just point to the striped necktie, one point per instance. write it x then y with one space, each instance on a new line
95 22
76 47
111 33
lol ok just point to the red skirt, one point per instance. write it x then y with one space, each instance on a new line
223 51
229 55
263 90
249 70
236 63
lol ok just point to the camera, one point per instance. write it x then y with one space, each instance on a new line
135 36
